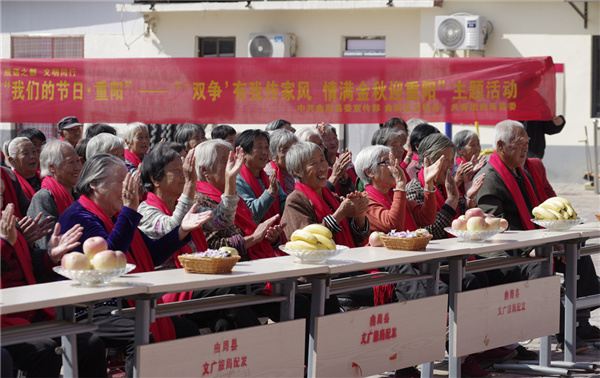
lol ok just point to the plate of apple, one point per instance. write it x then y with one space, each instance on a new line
97 265
476 226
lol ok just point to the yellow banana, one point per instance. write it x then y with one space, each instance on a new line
563 200
557 214
550 205
564 214
299 244
303 236
319 229
328 243
542 214
321 247
569 209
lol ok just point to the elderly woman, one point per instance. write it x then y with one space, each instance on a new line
215 165
190 135
342 177
311 134
468 160
23 158
385 182
225 132
312 202
417 134
106 143
281 141
35 136
449 202
137 139
262 194
60 168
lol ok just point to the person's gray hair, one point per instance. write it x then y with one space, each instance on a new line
207 154
368 158
52 153
131 129
327 128
461 138
414 122
103 143
298 155
96 170
433 145
383 136
305 134
11 148
280 138
185 132
505 131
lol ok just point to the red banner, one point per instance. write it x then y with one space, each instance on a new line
259 90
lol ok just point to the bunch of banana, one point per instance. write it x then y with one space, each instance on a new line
311 237
555 208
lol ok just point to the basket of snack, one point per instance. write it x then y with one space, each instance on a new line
209 262
407 240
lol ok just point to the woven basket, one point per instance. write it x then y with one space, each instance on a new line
208 265
406 244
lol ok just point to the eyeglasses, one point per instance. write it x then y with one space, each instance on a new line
384 162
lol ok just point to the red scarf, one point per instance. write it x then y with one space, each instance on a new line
10 194
460 160
197 234
440 194
258 190
27 189
409 222
21 250
515 192
243 219
535 167
321 205
62 198
279 173
133 158
163 328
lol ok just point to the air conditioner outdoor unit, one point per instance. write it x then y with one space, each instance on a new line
273 45
460 32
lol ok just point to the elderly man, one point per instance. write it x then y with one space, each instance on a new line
511 193
69 129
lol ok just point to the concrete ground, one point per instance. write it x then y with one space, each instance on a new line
586 203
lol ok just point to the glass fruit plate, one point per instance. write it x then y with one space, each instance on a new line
308 256
94 277
472 235
558 225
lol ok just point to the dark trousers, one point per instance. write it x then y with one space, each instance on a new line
39 359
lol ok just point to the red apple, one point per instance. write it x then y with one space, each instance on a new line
476 224
492 223
105 260
474 212
504 223
459 224
75 261
375 240
94 245
121 259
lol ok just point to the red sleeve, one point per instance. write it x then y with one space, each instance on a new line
384 220
424 213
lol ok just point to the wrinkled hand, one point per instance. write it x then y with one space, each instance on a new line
235 161
340 166
464 172
273 232
193 220
61 244
33 229
432 171
360 202
273 185
451 190
476 185
397 171
189 168
131 190
321 128
478 162
261 229
8 224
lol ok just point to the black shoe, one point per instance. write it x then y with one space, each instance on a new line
525 354
588 332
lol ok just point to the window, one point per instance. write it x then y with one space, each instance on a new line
215 47
24 47
358 46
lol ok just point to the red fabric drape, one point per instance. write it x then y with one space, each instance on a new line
29 191
10 194
133 158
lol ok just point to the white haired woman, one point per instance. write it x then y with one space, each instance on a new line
60 168
468 158
279 145
342 177
380 170
106 143
137 139
23 158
